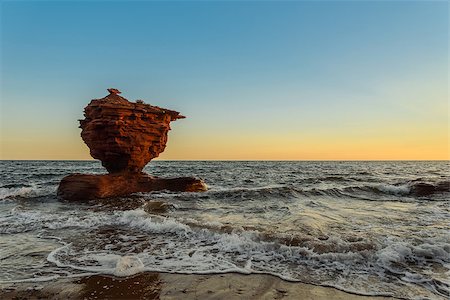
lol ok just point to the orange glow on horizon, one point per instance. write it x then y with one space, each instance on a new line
255 147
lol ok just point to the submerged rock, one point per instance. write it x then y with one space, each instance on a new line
124 136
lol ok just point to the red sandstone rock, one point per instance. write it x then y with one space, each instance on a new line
82 187
124 136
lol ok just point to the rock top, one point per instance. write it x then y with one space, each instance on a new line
114 91
125 135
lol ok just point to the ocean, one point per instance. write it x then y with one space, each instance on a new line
371 228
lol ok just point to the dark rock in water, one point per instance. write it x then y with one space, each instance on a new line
124 136
422 189
425 189
443 186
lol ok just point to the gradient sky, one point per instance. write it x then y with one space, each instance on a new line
257 80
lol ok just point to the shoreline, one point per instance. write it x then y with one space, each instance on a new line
152 285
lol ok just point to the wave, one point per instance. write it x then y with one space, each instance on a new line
175 247
334 178
397 253
19 221
26 191
14 185
123 243
410 189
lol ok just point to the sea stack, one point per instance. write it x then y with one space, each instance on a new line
124 136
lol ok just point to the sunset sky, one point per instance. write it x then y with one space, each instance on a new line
294 80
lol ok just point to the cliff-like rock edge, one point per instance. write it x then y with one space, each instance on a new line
124 136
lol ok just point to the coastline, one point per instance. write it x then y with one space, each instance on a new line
150 285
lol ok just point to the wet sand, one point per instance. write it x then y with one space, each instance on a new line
174 286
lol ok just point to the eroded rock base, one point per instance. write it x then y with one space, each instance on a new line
81 187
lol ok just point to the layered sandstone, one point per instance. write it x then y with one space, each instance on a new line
124 136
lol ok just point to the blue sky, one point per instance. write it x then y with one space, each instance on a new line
257 80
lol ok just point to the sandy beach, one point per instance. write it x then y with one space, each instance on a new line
174 286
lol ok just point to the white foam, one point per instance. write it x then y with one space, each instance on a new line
414 277
128 265
397 256
34 279
394 189
104 263
141 220
28 191
14 192
394 253
166 244
436 251
51 257
21 220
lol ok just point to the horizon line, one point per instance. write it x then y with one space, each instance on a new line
273 160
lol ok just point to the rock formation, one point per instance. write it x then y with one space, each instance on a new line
124 136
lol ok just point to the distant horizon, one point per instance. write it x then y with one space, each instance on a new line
224 160
288 80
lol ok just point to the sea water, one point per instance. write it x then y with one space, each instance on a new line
372 228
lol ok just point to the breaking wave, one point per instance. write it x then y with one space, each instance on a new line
301 221
173 246
410 189
26 191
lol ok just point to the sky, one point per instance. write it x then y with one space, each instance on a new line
257 80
